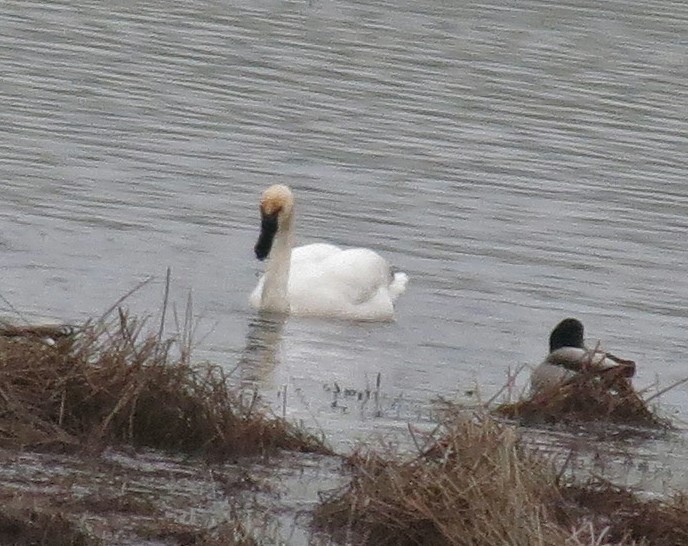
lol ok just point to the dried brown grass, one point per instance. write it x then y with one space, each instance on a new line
625 516
33 528
232 533
111 383
478 485
473 487
587 397
30 527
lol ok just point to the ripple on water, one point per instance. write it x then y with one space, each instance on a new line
522 161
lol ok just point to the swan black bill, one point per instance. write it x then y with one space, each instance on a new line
268 229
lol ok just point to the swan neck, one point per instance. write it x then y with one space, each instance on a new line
275 289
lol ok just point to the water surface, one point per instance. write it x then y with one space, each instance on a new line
521 161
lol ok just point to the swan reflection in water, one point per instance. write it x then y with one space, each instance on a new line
261 354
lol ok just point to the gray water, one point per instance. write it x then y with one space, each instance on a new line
521 161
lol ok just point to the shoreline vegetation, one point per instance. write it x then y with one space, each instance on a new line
116 383
477 483
607 398
110 384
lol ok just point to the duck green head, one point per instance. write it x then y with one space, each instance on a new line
568 333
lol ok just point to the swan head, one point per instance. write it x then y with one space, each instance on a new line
276 206
568 333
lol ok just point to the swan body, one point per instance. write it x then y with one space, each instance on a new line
568 356
319 279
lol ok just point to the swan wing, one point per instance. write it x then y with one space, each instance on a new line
304 262
356 283
358 270
314 253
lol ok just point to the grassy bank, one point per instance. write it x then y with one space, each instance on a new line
111 382
478 485
74 392
29 527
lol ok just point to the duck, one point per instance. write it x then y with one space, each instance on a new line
318 279
568 356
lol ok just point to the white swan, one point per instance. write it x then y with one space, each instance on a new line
568 356
318 279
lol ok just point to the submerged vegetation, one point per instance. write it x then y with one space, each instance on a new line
479 485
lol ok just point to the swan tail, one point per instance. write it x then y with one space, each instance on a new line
398 284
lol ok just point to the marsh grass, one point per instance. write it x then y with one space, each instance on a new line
473 486
626 517
29 527
587 397
232 533
112 382
478 485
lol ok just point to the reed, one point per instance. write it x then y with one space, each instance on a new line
478 485
474 486
587 397
625 517
33 528
111 382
